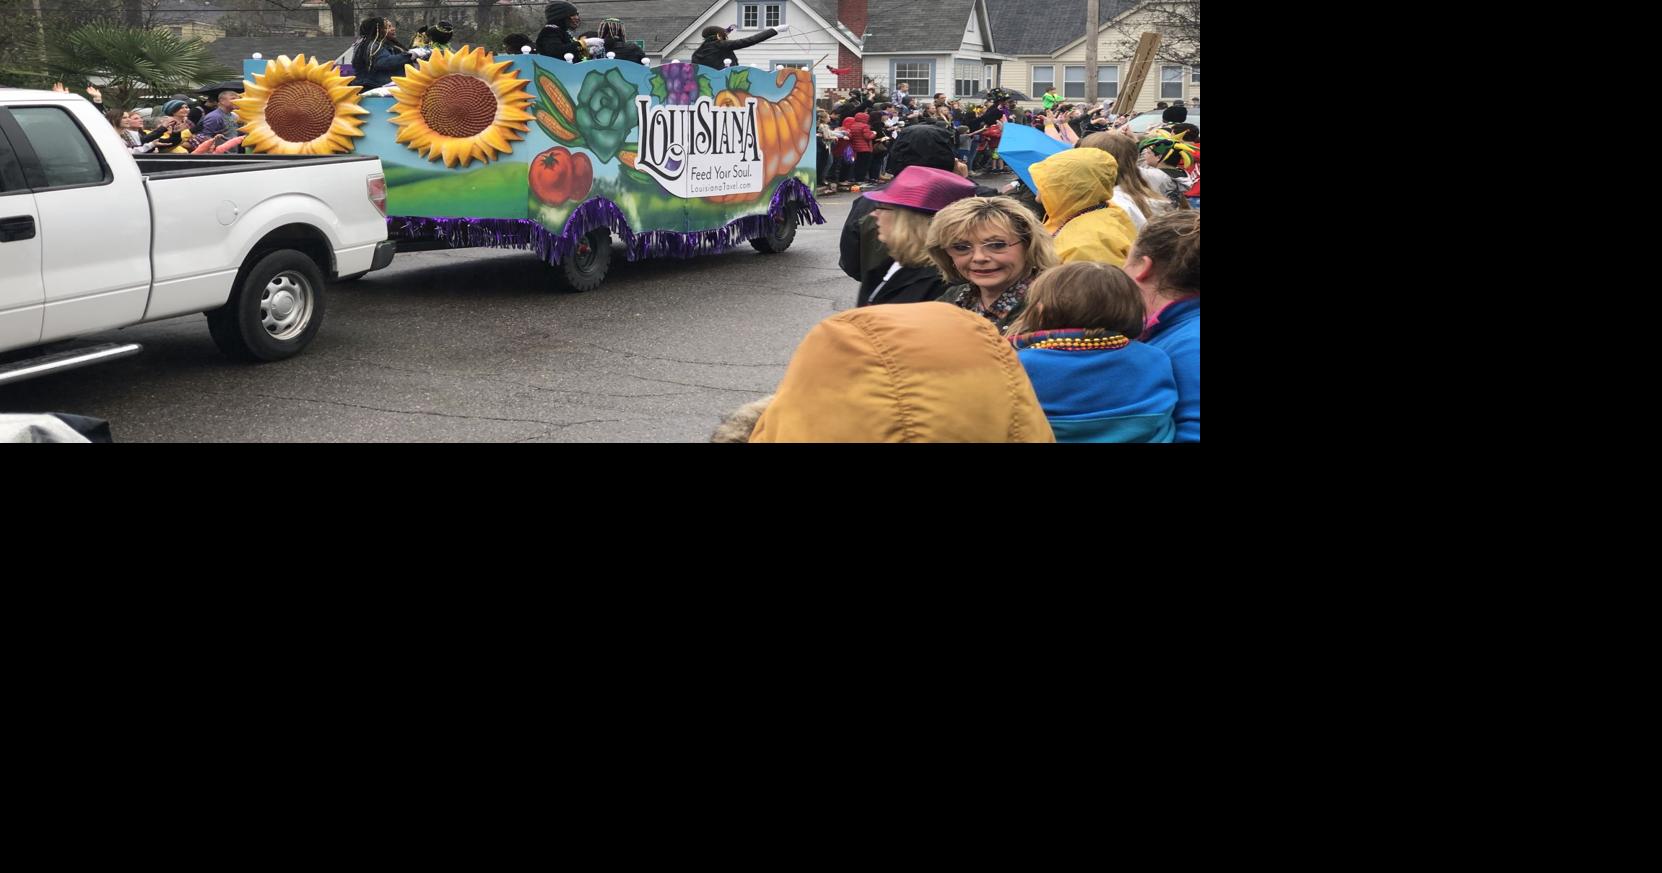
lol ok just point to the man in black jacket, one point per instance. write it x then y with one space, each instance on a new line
997 98
555 39
717 50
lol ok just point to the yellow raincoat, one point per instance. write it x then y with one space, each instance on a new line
904 373
1071 182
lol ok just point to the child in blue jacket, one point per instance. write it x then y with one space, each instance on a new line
1095 382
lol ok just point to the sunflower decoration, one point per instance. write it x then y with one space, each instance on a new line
300 107
461 106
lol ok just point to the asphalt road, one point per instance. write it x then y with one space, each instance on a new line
476 345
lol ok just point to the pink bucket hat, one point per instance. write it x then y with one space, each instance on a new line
924 188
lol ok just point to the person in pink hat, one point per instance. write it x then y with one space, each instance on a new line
903 211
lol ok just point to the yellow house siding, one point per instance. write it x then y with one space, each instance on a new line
1016 75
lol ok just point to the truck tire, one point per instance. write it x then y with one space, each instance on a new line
585 268
784 232
274 313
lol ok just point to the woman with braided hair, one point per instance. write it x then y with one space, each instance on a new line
378 54
611 30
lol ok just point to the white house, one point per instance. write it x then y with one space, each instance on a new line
813 40
945 46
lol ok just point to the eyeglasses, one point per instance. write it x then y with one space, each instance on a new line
992 248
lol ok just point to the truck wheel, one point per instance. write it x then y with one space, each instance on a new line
585 268
784 231
274 313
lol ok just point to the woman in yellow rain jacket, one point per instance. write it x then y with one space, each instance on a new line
1077 190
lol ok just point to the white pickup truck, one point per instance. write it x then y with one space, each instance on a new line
92 238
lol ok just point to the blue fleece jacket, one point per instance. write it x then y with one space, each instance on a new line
1121 395
1178 335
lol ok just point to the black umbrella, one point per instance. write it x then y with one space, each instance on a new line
1001 93
212 91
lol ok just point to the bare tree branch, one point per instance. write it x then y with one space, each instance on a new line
1177 22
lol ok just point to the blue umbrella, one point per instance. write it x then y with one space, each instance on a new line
1021 147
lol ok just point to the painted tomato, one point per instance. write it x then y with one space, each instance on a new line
551 174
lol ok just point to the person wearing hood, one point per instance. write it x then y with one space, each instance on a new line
863 256
717 50
861 134
1077 190
904 374
555 39
611 30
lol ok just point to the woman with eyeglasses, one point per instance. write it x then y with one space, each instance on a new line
989 249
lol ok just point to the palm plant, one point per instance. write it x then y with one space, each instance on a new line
134 63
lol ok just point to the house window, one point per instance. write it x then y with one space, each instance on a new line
1073 85
1194 76
918 76
749 14
799 63
1171 82
989 76
1043 78
966 79
775 15
1107 82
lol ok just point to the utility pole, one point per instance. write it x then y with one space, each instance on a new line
1091 40
40 30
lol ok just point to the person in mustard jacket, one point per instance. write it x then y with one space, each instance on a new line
904 373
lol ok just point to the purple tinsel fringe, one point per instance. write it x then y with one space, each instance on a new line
526 233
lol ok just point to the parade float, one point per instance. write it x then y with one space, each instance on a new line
529 152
